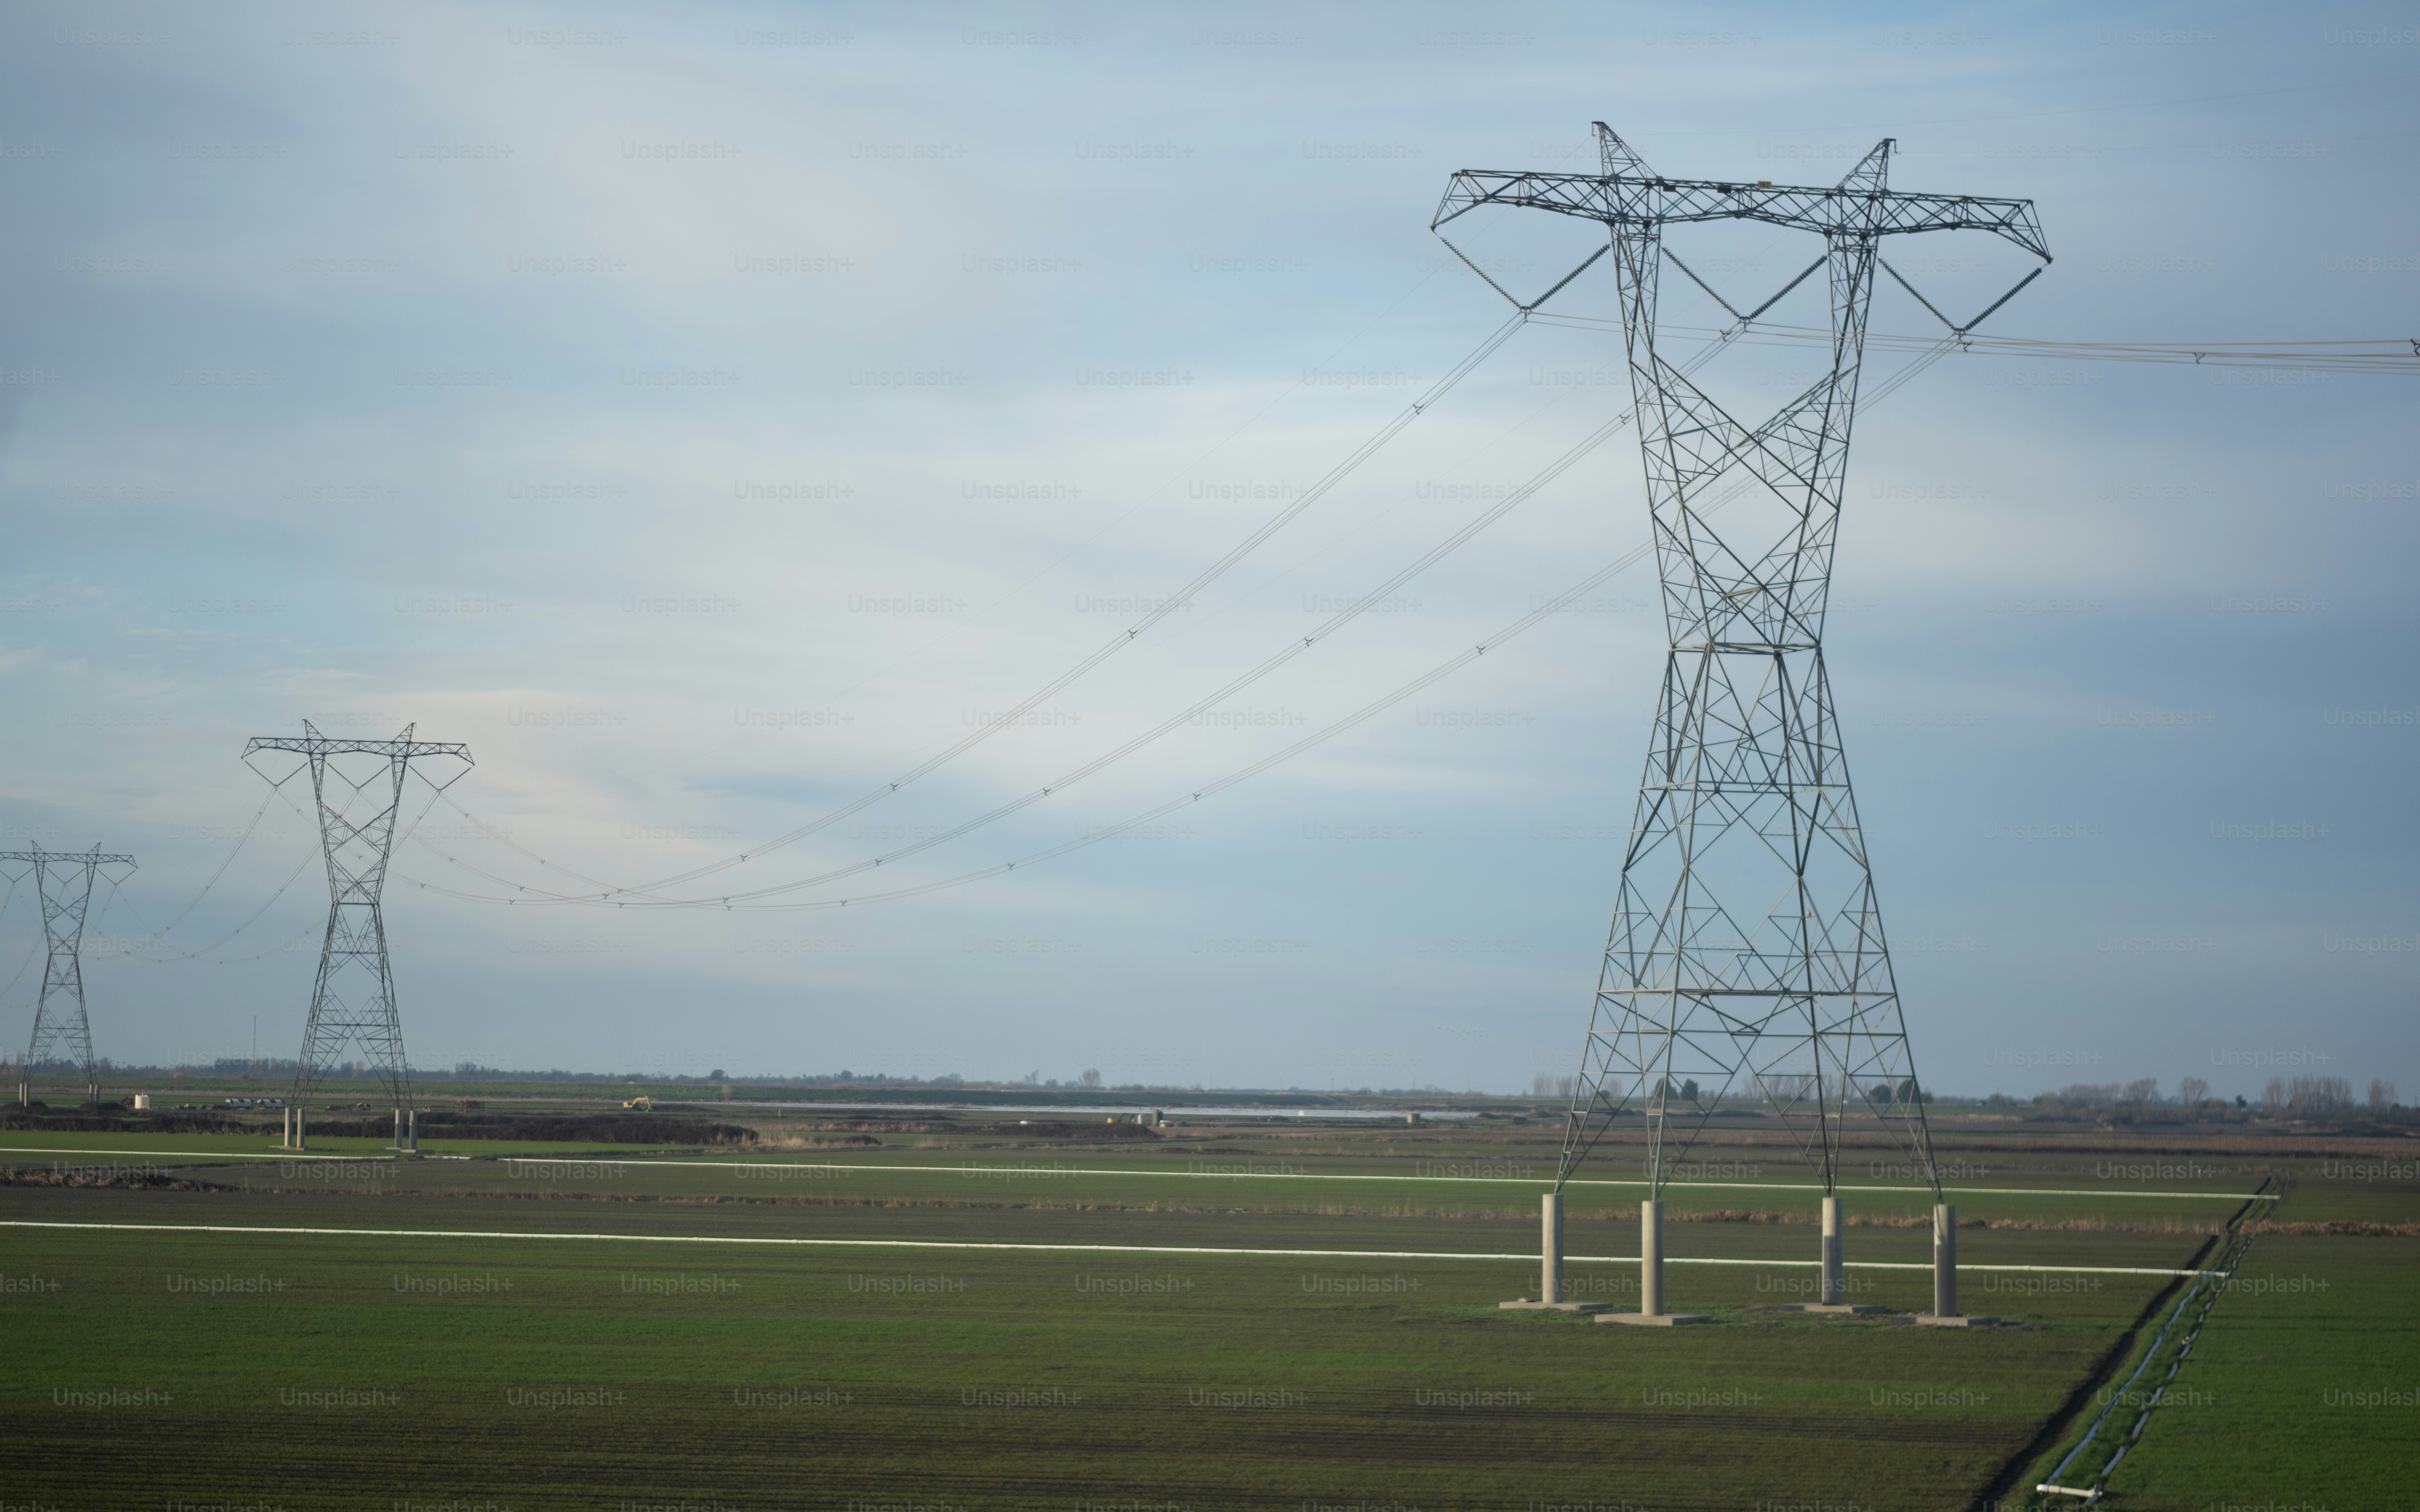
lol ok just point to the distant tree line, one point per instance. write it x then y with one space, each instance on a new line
2305 1097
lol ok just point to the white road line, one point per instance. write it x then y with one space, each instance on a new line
197 1155
1007 1171
1106 1249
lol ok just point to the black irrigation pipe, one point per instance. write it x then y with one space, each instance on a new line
2210 1287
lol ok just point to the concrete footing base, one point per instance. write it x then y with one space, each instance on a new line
1832 1307
1558 1306
1953 1320
1655 1319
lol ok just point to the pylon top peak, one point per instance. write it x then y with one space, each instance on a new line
1616 154
1873 171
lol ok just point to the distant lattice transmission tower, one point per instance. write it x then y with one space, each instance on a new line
63 883
1747 950
358 787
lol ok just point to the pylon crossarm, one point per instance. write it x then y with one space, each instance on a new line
1627 200
323 745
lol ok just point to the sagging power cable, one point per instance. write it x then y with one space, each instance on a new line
1520 626
1287 653
648 893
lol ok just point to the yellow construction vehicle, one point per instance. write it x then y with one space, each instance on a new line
641 1105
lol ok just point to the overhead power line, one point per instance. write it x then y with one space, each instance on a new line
1294 647
2387 355
1379 705
1167 606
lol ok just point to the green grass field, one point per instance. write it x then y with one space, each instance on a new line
2302 1390
167 1363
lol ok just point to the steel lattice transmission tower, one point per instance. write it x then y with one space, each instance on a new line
358 786
63 883
1747 947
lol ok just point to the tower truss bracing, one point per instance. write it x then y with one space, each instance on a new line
358 788
63 885
1747 957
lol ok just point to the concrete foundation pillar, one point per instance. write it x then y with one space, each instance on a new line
1945 1260
1836 1290
1651 1259
1550 1248
411 1131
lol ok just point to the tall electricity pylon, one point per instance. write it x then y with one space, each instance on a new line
358 785
1747 942
63 882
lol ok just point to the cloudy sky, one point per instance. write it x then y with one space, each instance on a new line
710 414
